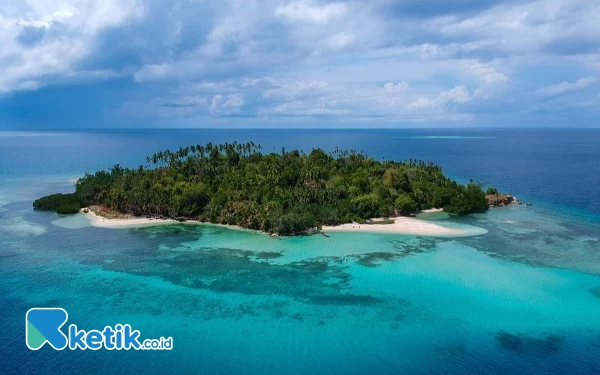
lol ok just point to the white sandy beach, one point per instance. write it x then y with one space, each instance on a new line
104 222
402 225
132 221
408 226
431 210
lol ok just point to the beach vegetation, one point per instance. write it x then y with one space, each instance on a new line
55 201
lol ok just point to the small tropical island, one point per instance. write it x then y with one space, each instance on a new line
284 193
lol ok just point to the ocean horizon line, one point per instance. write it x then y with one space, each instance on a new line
313 128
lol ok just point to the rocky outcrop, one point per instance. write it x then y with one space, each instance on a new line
500 199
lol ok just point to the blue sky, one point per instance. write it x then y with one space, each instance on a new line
246 63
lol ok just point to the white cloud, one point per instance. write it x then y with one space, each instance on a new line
523 28
563 87
288 90
306 11
459 94
234 100
300 108
215 103
491 82
399 86
64 34
486 73
226 105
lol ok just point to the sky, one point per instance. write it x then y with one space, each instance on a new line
301 63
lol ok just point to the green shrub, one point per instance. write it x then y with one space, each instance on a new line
68 209
54 201
491 191
406 205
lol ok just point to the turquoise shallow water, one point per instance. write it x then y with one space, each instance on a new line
523 298
241 302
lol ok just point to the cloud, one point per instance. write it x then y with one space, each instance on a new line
397 86
435 8
42 40
234 100
397 61
226 105
486 73
153 72
563 87
335 42
506 28
307 11
282 89
457 95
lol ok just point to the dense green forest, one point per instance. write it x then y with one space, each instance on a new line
286 192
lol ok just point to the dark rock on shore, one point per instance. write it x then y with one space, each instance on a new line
499 199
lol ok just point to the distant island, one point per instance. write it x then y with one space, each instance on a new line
286 193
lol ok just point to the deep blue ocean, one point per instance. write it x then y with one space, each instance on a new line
524 298
553 166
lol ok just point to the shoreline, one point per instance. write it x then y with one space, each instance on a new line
408 226
100 221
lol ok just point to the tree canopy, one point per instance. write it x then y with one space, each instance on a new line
286 192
